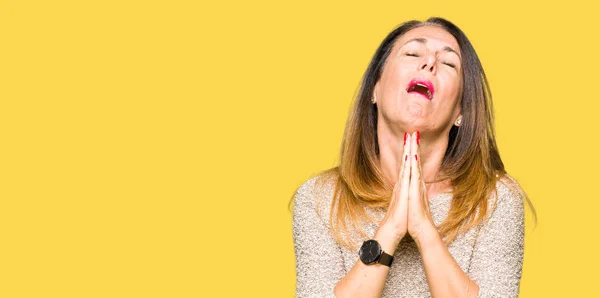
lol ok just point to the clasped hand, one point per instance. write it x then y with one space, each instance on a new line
408 211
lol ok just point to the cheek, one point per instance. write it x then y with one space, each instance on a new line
391 76
451 90
393 79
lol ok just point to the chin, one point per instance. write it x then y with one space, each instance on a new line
407 125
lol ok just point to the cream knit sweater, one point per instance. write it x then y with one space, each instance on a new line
491 254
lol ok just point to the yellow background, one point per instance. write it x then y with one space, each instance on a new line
150 148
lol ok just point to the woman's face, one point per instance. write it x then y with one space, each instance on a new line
430 55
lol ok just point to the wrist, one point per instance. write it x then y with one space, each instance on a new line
428 237
388 239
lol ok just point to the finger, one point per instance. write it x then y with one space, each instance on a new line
415 181
398 183
405 178
394 198
402 158
418 153
406 160
420 190
420 170
424 195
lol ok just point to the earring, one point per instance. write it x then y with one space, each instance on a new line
373 99
458 121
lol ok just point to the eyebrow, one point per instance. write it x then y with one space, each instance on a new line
424 41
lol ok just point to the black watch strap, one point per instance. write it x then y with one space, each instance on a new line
385 259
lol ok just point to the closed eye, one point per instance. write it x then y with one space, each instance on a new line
450 64
411 54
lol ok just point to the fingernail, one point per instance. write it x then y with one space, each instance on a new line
405 157
418 137
416 157
405 138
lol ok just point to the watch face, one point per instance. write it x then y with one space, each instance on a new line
370 251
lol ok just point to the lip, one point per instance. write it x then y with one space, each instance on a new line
421 81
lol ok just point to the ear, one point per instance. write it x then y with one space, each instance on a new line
374 97
458 120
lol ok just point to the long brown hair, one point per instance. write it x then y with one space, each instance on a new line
471 162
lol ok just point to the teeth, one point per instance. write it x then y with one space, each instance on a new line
421 85
427 88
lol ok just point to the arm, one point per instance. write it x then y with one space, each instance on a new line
319 264
444 276
367 280
496 264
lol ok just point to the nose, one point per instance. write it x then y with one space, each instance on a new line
428 63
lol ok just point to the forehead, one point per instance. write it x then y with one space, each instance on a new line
437 38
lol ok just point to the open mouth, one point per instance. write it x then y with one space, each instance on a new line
423 87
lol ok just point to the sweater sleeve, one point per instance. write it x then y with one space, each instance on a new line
319 265
497 261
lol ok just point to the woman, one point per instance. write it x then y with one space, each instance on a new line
421 204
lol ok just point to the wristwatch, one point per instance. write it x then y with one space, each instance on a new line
371 253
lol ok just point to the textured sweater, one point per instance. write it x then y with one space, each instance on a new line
491 254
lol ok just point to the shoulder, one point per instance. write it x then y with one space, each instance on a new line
508 198
509 189
315 194
317 185
307 187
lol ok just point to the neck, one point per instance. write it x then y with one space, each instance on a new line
432 149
